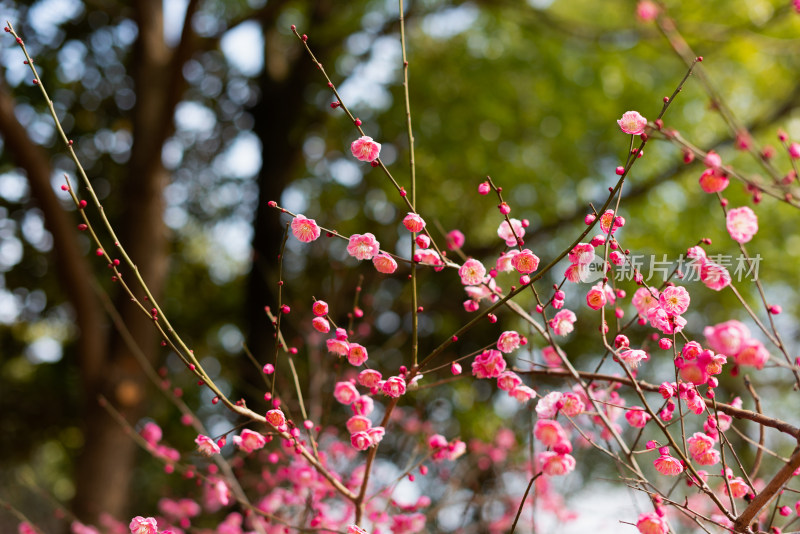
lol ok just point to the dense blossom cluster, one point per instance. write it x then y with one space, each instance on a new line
322 472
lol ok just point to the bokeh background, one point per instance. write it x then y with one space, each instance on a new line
190 115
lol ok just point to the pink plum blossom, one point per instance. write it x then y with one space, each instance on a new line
668 465
358 423
361 440
472 272
338 346
508 234
572 404
728 337
304 229
143 525
674 300
363 405
276 418
644 299
715 276
320 308
455 239
394 386
413 222
508 380
548 406
206 446
652 523
504 262
632 123
637 417
249 441
345 392
357 354
713 181
365 149
321 325
509 341
581 254
633 357
742 224
363 247
151 433
488 364
554 464
752 353
353 529
549 432
522 393
384 263
369 377
596 297
563 322
525 262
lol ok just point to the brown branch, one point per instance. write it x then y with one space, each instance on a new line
771 489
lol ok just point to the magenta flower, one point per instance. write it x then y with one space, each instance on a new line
206 446
652 523
554 464
413 222
488 364
353 529
509 341
363 247
637 417
508 380
143 525
357 354
345 392
276 418
525 262
304 229
713 181
632 123
522 393
249 441
455 239
753 353
668 465
365 149
646 10
549 432
674 300
320 308
728 337
358 423
360 440
715 276
394 386
508 233
596 297
548 406
369 378
742 224
472 272
563 322
633 357
384 263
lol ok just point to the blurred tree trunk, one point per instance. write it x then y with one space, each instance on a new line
283 116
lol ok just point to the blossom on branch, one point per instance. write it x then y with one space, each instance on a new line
632 123
365 149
